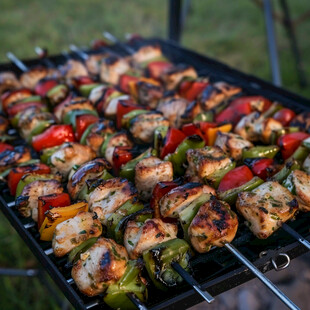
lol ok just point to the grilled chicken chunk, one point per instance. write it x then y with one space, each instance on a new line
214 225
27 202
109 196
139 237
302 121
111 68
149 93
30 78
173 76
175 201
245 128
98 133
216 93
8 81
146 53
265 127
71 233
173 109
73 68
298 183
88 171
93 63
142 127
148 172
266 208
191 111
68 155
202 163
103 264
232 144
8 158
118 139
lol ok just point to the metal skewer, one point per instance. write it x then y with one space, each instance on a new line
192 282
18 63
136 301
296 235
78 52
114 40
43 56
261 276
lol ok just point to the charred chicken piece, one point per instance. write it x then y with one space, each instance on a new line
27 202
266 208
111 68
298 183
232 144
88 171
173 109
93 63
103 264
149 93
142 127
302 121
214 225
9 159
148 172
216 93
109 196
175 201
71 233
68 155
30 78
146 53
73 68
139 237
8 81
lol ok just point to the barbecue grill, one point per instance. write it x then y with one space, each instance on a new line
216 271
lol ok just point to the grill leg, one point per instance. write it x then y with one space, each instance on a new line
272 45
174 31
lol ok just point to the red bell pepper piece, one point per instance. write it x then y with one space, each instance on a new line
82 122
200 129
43 86
159 191
82 80
235 178
4 147
124 107
157 68
290 142
124 81
98 44
16 174
53 136
47 202
173 138
14 95
191 89
121 155
262 167
19 107
284 116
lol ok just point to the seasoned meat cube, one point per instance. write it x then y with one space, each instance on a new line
149 93
93 63
246 127
88 171
173 109
266 208
118 139
264 128
8 158
191 111
8 81
103 264
214 225
142 127
71 233
4 124
68 155
138 238
30 78
216 93
232 144
27 202
302 121
98 133
298 183
202 163
112 68
148 172
146 53
109 196
173 76
180 197
73 68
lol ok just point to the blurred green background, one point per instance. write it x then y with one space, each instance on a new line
230 31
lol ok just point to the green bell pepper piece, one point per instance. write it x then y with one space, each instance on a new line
86 133
178 158
289 166
86 89
128 170
144 64
39 129
113 226
158 262
57 94
276 134
188 214
70 117
300 154
75 253
131 115
204 117
115 296
105 143
159 135
30 99
231 195
289 184
268 151
47 153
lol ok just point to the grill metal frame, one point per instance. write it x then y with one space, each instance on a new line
230 276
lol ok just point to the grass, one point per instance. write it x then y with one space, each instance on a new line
231 31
